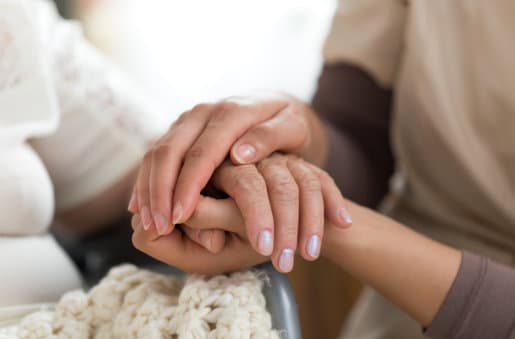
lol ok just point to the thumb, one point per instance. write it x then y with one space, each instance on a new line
283 132
217 214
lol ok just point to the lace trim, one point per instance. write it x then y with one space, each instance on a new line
15 38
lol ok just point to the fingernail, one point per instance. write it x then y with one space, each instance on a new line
286 260
345 215
146 218
177 213
265 243
314 246
245 153
205 239
132 204
161 223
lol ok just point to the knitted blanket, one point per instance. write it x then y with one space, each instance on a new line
134 303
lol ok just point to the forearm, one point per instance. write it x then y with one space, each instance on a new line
412 271
357 113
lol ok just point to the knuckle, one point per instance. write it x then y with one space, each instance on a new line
148 156
226 106
247 181
181 119
196 152
161 150
289 237
199 153
309 183
283 187
200 108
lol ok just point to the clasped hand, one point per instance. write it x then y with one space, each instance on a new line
274 205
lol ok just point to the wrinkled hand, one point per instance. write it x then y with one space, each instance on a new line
300 198
176 169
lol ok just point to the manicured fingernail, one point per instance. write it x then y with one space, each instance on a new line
205 239
146 218
132 204
265 243
161 224
345 215
136 220
286 260
245 153
314 246
177 213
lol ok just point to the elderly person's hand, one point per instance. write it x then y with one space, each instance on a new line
301 198
180 164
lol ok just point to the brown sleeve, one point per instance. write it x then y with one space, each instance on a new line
357 112
480 303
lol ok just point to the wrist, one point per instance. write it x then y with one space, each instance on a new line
317 146
407 268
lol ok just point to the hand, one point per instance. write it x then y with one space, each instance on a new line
179 250
288 191
181 163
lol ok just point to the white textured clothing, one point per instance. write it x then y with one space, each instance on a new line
70 127
451 66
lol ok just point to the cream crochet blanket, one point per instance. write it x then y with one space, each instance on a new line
134 303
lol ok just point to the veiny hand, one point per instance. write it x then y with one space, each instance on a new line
297 195
180 164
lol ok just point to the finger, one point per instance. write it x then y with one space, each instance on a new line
212 240
336 209
284 198
176 249
286 131
137 225
133 202
221 214
135 222
248 189
228 122
143 195
311 208
166 159
164 169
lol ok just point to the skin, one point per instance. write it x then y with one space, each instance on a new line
285 195
283 181
377 250
320 191
182 162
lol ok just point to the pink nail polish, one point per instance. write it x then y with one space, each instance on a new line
265 243
314 246
245 153
345 216
132 204
146 218
161 224
286 260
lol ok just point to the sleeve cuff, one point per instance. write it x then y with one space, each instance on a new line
479 304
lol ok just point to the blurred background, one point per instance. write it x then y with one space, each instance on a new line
180 53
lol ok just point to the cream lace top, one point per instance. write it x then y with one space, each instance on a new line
70 127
